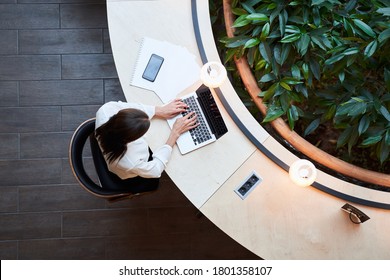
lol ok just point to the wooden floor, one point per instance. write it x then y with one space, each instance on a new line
56 69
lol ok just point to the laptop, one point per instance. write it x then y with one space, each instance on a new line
211 124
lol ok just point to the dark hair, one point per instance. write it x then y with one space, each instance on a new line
122 128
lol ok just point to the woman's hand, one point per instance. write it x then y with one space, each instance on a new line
171 109
182 125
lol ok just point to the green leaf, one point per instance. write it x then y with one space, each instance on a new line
364 27
334 59
385 112
387 137
371 48
292 116
312 126
296 73
351 51
290 38
252 43
296 19
317 2
260 65
353 138
236 41
279 90
358 109
229 55
305 70
291 81
315 68
239 11
384 35
329 114
342 76
265 32
267 94
285 86
285 101
293 29
350 5
364 123
241 21
272 114
303 44
318 40
267 78
271 6
384 151
283 17
371 140
285 53
265 51
348 27
316 16
344 137
278 53
344 109
248 8
384 11
257 17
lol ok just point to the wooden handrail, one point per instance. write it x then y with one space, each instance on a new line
292 137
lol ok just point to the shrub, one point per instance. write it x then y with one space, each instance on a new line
320 62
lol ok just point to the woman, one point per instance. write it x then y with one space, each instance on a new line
120 128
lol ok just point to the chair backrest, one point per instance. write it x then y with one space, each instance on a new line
111 186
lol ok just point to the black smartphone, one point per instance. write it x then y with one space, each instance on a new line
153 67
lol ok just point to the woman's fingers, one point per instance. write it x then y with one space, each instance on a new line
192 120
180 105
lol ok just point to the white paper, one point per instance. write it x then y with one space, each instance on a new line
178 71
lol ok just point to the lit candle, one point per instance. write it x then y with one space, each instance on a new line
213 74
302 172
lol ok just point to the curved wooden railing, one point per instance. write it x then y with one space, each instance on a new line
292 137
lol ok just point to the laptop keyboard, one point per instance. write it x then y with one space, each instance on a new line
201 133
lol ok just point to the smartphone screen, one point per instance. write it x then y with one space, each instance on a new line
153 67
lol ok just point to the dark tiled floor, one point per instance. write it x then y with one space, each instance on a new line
56 69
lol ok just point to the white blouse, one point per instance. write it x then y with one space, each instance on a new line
135 161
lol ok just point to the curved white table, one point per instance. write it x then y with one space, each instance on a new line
278 220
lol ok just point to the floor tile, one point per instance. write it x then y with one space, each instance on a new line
56 198
8 199
60 41
9 148
127 222
30 226
30 67
8 250
9 93
61 92
44 145
29 16
30 119
30 172
74 16
88 66
65 249
8 42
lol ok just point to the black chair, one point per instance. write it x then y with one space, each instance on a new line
111 186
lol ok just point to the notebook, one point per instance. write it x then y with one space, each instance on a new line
177 71
211 124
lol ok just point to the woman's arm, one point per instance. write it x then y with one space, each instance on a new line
171 109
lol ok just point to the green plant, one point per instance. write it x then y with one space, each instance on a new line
320 62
